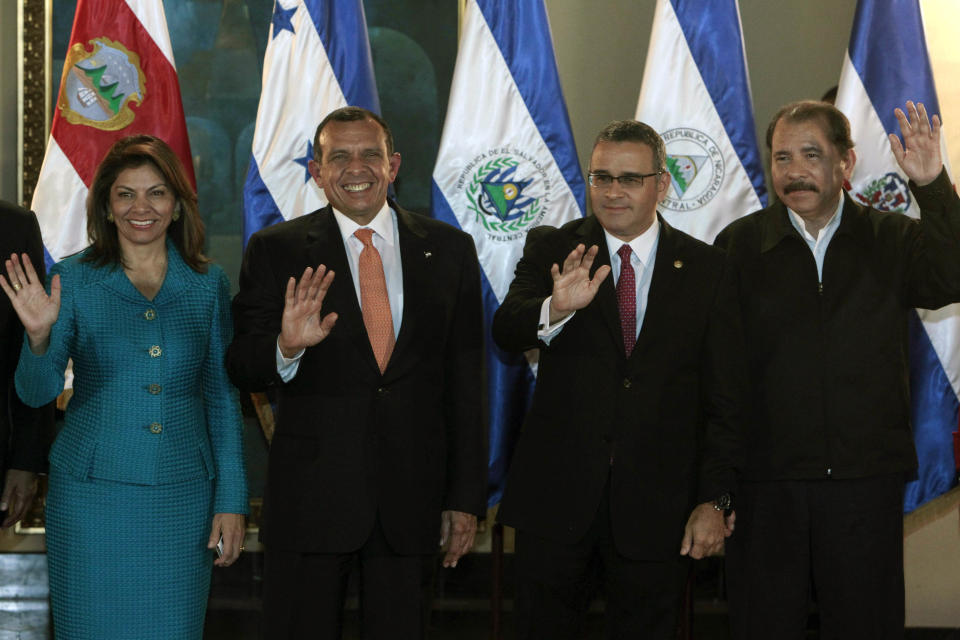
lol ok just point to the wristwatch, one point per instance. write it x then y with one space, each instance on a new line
723 502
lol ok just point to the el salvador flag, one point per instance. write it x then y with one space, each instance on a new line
507 163
885 65
696 94
317 60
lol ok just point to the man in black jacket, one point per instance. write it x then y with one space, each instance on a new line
826 288
24 432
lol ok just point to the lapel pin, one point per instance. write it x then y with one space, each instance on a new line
678 264
427 254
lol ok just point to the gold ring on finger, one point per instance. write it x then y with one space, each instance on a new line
17 286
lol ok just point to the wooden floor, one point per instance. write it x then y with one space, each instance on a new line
461 609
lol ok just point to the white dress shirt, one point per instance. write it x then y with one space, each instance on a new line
819 244
387 242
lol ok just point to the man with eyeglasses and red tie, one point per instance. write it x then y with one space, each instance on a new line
626 463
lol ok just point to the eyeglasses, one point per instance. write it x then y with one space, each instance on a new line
627 181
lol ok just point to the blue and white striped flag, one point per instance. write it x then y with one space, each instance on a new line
507 163
696 94
317 60
885 65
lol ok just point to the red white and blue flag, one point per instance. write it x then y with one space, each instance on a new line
887 64
119 79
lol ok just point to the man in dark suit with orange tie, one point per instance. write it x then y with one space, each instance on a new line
25 432
626 462
367 321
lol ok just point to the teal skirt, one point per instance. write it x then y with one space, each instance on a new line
128 561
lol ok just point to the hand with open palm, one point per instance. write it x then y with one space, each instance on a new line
36 310
573 288
302 325
919 154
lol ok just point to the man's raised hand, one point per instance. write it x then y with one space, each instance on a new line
573 288
302 326
919 155
37 310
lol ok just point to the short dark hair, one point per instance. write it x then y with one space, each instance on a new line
187 233
351 114
835 124
635 131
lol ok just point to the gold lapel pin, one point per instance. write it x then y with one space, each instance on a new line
678 264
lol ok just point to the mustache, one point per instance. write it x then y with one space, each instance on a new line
800 185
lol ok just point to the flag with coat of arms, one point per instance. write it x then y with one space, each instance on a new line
506 164
886 64
696 94
119 79
317 60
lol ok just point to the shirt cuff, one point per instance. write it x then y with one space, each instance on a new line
287 367
546 332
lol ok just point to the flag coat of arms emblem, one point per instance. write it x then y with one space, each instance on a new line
119 79
885 65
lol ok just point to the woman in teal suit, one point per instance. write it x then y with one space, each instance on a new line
147 475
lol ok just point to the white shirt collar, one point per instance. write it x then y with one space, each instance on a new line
642 245
799 224
382 224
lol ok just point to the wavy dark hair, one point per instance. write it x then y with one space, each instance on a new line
187 233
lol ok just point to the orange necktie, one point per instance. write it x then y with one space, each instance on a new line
374 300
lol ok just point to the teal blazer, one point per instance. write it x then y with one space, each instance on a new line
151 400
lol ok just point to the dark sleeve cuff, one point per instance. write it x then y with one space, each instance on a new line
935 193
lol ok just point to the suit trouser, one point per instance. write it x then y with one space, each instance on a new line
844 535
304 593
556 582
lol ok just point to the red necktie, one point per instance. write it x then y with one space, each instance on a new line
374 301
627 299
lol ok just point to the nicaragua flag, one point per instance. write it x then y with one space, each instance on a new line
885 65
696 94
507 163
119 79
317 60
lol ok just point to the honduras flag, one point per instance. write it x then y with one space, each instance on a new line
885 65
507 163
696 94
317 60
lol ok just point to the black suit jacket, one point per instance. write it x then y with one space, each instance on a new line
668 415
352 443
25 432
